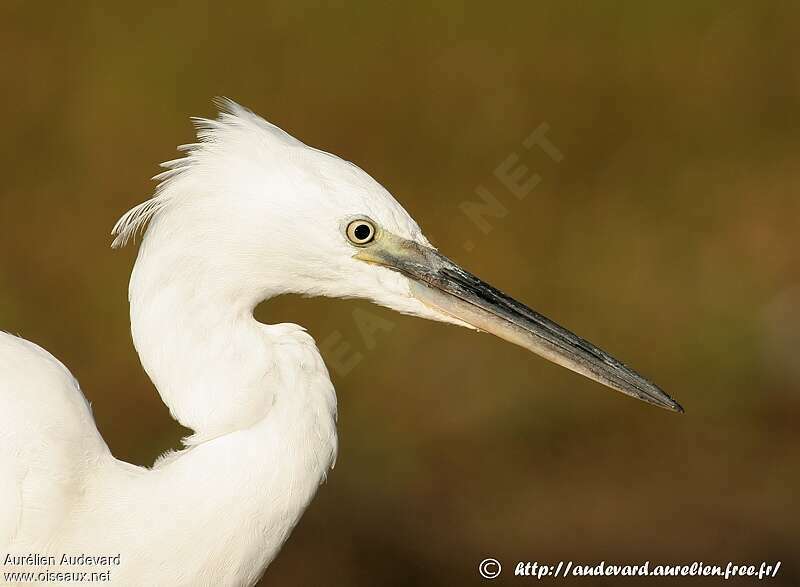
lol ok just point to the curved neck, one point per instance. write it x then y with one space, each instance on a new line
262 407
215 367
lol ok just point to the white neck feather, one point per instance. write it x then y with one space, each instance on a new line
258 398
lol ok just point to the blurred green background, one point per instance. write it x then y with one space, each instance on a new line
668 235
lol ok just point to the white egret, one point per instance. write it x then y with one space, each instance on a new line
247 214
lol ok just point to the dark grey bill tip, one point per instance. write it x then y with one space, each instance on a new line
676 407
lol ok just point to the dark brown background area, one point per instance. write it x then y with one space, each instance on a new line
668 235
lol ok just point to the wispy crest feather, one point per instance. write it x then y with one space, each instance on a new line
210 133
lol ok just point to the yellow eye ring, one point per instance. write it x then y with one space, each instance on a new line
361 232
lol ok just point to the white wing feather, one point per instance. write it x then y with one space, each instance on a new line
50 443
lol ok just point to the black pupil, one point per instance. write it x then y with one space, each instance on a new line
362 232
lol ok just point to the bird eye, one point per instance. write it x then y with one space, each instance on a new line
360 232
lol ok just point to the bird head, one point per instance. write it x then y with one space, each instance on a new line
253 208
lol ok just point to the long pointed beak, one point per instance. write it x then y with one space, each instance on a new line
444 286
